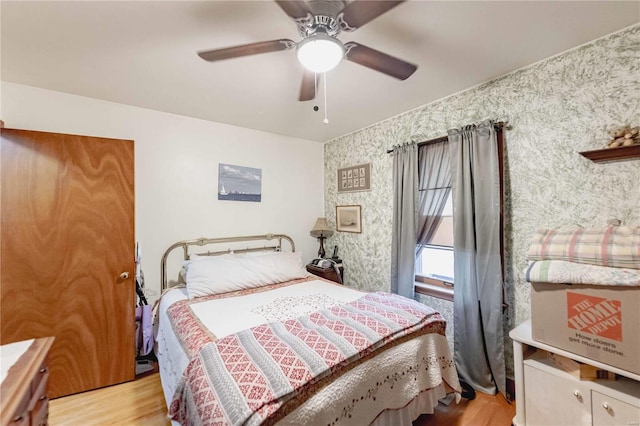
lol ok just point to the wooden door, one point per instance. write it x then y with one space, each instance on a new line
67 234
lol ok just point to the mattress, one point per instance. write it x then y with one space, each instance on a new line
392 386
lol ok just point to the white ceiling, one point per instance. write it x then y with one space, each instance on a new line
143 53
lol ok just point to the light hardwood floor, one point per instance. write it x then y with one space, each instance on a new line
484 410
141 402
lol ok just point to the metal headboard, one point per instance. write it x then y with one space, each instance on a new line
207 241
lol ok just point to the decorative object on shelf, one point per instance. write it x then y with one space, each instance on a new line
238 183
624 136
321 230
349 219
355 178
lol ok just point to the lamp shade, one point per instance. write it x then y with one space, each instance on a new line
321 228
320 53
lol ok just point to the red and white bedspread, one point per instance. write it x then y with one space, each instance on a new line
340 362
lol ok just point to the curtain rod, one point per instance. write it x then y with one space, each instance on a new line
498 126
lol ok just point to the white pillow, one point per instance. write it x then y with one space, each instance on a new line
182 277
221 274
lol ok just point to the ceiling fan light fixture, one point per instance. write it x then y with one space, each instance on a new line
320 53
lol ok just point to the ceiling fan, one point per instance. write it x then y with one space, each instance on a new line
319 23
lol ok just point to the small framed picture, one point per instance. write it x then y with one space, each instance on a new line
239 183
349 219
354 178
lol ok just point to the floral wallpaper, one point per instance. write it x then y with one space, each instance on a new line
445 308
557 108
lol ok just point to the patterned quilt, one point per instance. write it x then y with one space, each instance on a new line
259 375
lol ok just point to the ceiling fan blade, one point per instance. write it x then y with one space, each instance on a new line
308 87
378 61
296 9
247 49
360 12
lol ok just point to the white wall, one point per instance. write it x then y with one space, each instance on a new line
176 170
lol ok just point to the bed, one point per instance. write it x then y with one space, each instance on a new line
252 338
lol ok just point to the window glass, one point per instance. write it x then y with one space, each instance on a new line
436 259
437 263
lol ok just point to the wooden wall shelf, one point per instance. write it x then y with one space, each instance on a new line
613 154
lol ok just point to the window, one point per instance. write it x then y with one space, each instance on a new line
435 263
434 239
436 258
434 270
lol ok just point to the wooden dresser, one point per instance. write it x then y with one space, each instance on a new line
23 393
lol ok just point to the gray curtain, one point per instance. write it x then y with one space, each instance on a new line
435 185
403 236
475 181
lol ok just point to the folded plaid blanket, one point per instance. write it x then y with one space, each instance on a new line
561 272
614 246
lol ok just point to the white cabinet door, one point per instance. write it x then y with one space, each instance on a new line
608 411
554 400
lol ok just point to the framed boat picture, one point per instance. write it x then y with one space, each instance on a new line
239 183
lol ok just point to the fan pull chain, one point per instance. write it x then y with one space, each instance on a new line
315 83
326 120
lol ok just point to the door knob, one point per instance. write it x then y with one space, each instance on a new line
124 275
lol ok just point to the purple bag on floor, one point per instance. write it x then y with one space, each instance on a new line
144 330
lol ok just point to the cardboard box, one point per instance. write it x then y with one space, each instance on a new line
598 322
579 370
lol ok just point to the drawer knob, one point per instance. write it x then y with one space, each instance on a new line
577 394
606 406
43 370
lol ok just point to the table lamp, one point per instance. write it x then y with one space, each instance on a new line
321 231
